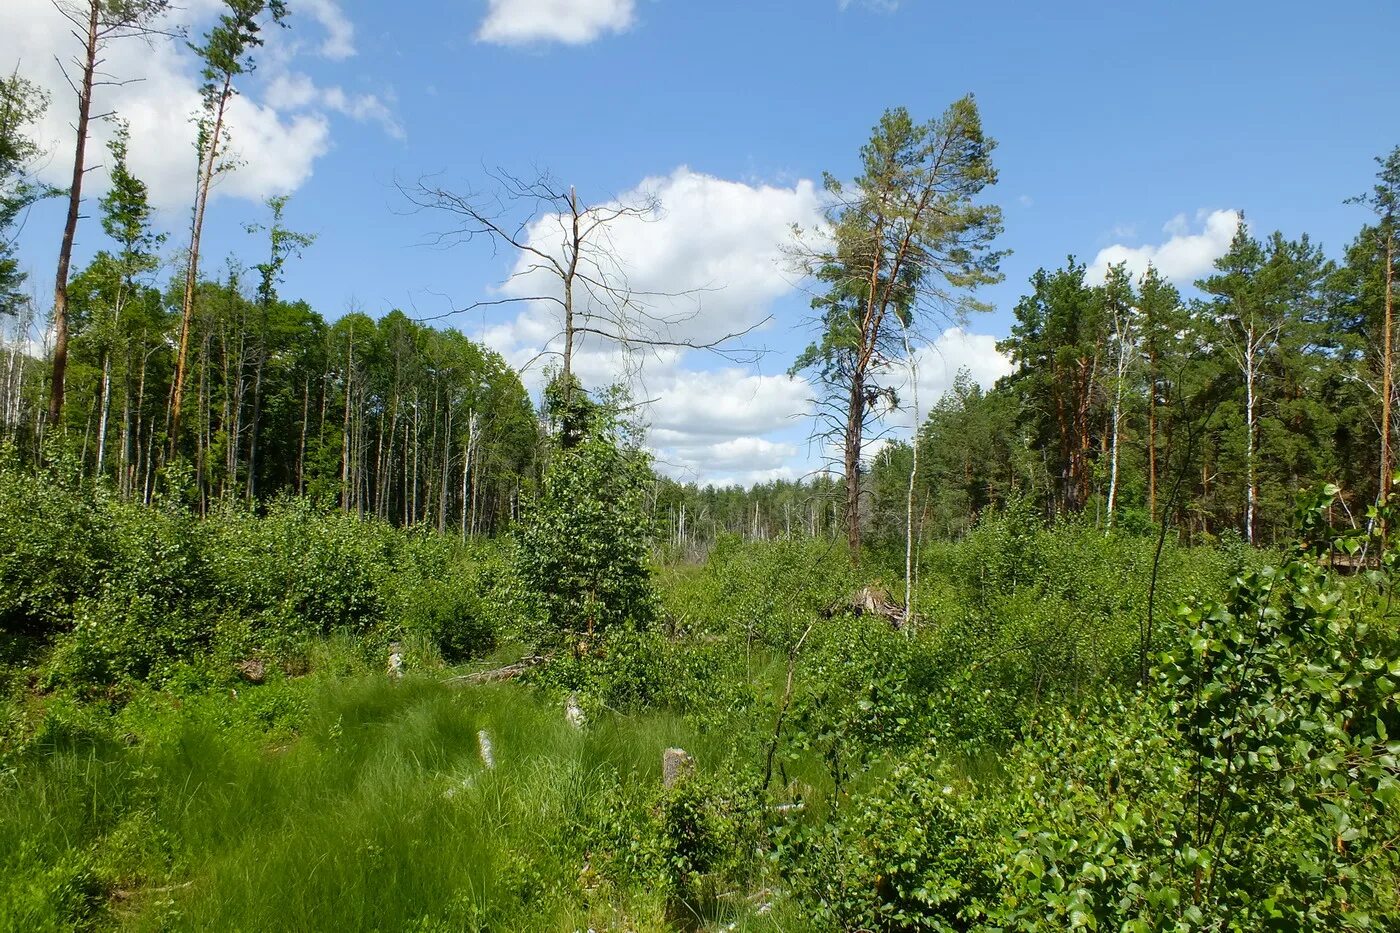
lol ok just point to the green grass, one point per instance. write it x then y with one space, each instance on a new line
331 804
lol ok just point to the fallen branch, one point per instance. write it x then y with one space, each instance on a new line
499 674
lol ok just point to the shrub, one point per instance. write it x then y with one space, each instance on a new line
584 539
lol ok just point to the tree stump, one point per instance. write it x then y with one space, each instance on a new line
488 756
252 670
395 661
676 766
573 713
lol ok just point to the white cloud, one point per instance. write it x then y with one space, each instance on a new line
340 32
726 239
1184 256
742 460
716 245
572 22
958 349
694 406
293 90
938 364
277 137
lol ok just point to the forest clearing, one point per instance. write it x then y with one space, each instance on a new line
677 554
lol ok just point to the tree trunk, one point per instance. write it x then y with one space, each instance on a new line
301 442
206 178
345 430
70 225
1250 494
909 502
253 430
1387 371
104 407
1152 437
855 424
1113 455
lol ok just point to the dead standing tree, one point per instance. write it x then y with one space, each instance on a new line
95 23
568 260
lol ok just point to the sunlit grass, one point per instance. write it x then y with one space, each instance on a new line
370 808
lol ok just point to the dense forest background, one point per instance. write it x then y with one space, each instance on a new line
1129 401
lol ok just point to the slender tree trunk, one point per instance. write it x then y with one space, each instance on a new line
569 292
446 465
253 430
1152 437
1387 370
469 499
143 463
70 225
1251 493
124 455
345 430
1113 454
104 407
301 441
855 424
206 178
909 501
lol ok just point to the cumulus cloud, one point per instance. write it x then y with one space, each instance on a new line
718 246
937 364
1185 255
277 139
571 22
293 91
740 460
339 41
694 406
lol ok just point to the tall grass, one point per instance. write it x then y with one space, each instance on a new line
379 814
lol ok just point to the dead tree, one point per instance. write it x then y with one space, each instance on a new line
95 23
567 261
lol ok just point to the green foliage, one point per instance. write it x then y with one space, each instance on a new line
355 803
584 540
127 593
1252 786
22 105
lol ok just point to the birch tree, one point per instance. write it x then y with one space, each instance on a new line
227 56
1118 303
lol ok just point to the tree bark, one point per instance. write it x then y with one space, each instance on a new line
206 178
855 424
1387 370
70 225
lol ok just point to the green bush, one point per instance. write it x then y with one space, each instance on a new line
585 539
108 593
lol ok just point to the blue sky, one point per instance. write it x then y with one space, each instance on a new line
1121 128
